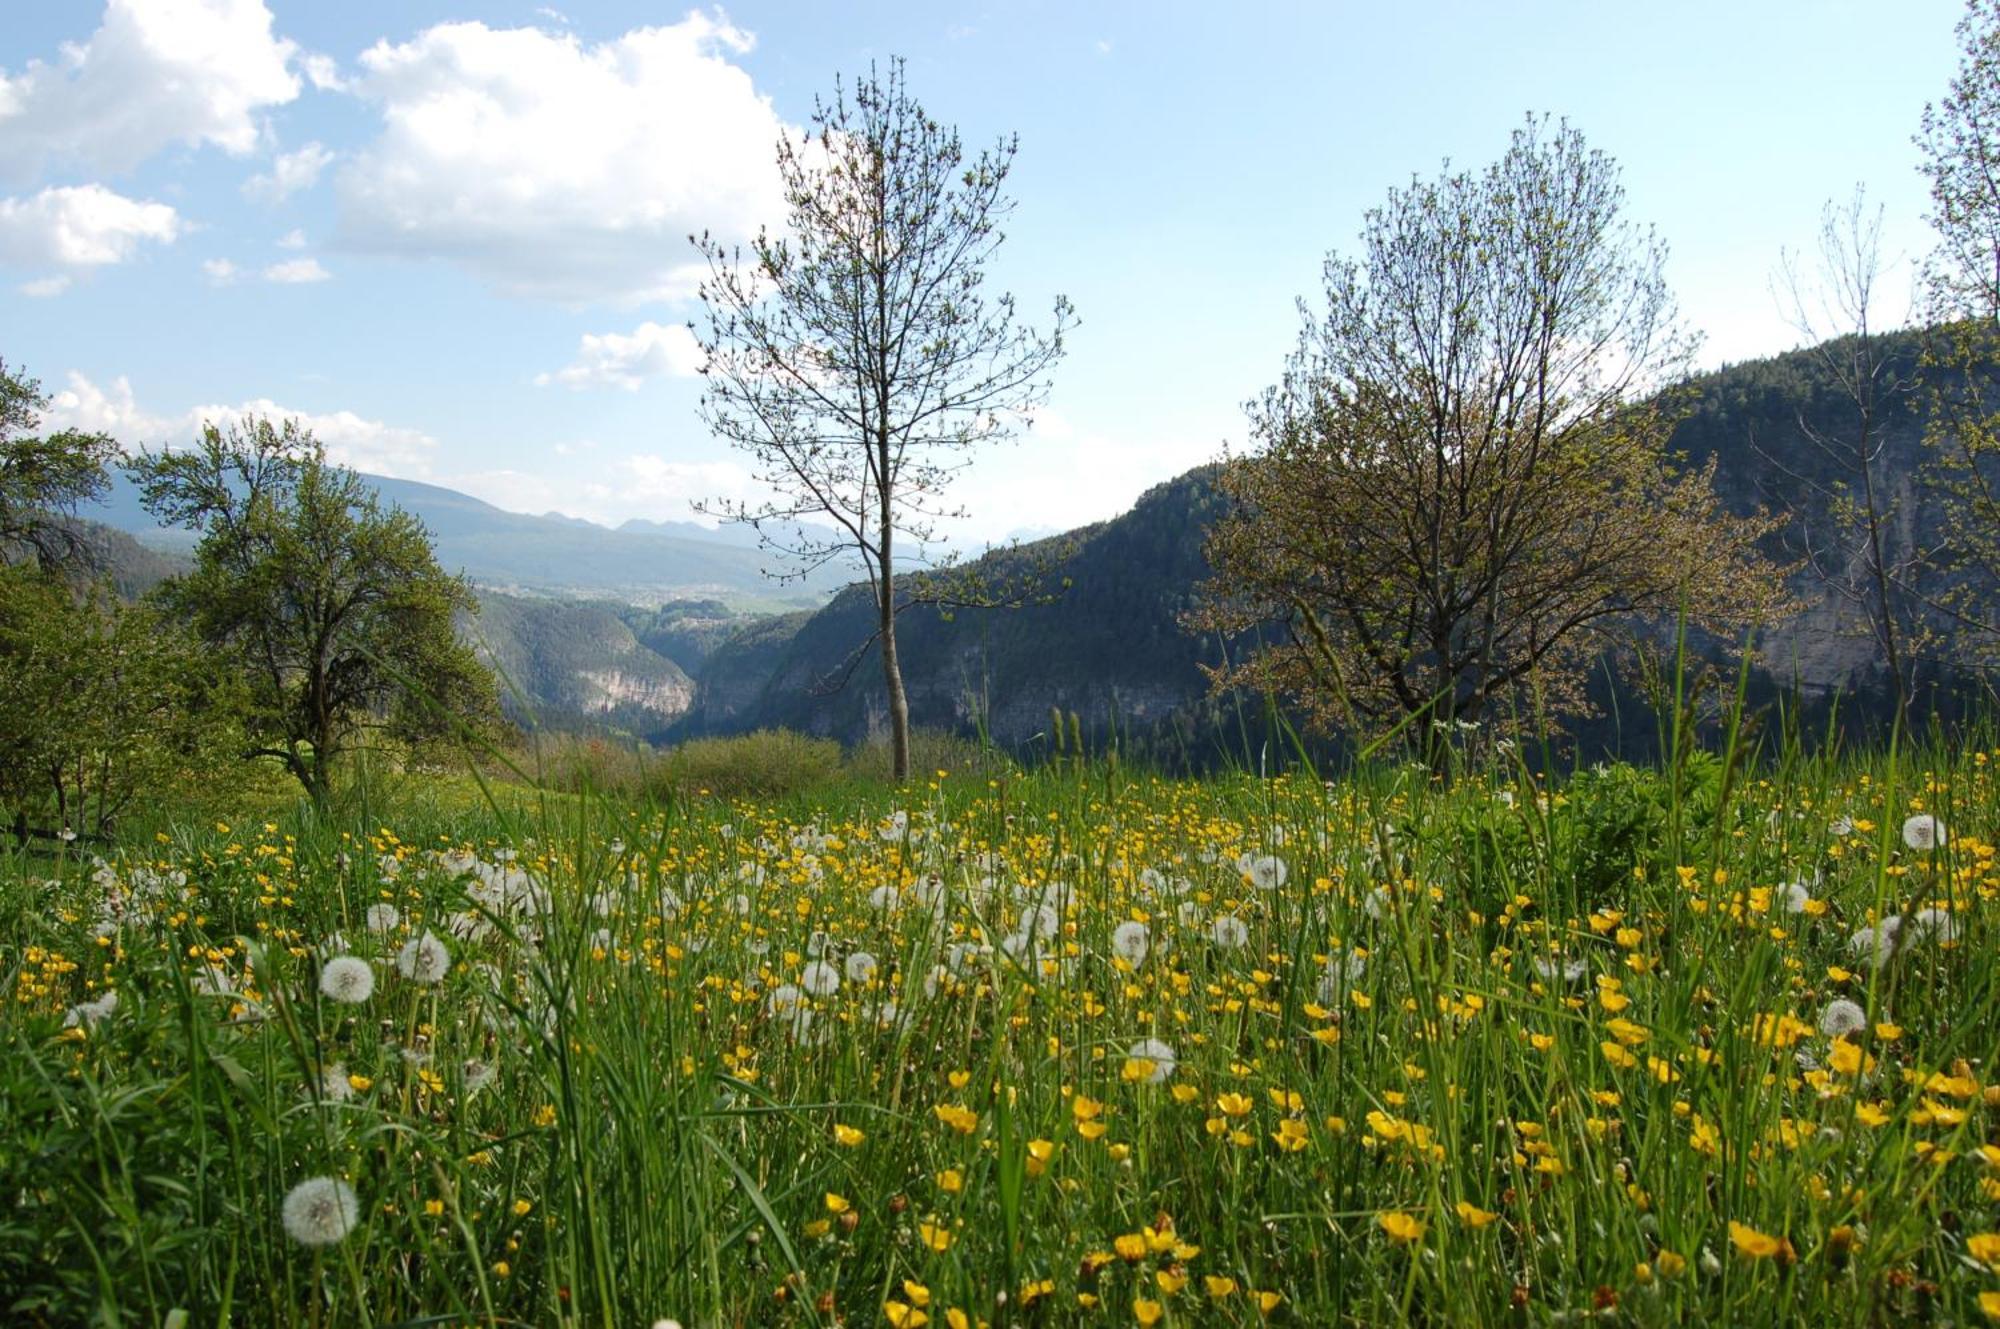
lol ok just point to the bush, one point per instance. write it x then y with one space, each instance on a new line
931 751
769 763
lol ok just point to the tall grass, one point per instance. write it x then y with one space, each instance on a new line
1496 1051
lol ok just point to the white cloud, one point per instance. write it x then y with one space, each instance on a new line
615 360
80 226
42 288
155 72
350 439
323 73
291 172
557 168
292 239
220 271
296 272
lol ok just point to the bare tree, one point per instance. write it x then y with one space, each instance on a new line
1865 550
857 357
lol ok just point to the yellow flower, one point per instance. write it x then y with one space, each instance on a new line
1473 1215
521 1208
951 1180
958 1118
1147 1312
904 1316
847 1136
837 1204
1989 1302
1985 1248
1292 1135
1234 1105
1755 1244
1671 1265
1269 1301
937 1237
1131 1246
918 1294
1218 1286
1402 1227
1039 1154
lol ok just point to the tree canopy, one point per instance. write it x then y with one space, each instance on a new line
1462 481
331 605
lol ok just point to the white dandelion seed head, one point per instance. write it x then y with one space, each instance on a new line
1160 1054
348 979
1130 941
1923 832
88 1013
1795 896
1041 920
860 967
1841 826
334 1086
785 999
1841 1018
883 899
816 943
1267 872
1877 946
1229 932
382 918
1936 925
319 1211
820 979
1375 903
423 959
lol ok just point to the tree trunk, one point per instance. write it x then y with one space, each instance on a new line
892 674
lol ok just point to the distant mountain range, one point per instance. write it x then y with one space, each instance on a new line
640 563
667 630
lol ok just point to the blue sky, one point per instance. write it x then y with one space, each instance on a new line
452 236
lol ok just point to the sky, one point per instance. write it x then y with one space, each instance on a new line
452 237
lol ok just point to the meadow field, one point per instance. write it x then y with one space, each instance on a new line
1711 1042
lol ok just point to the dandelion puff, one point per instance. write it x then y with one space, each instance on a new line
1130 941
1267 872
382 918
88 1013
1841 1018
1923 832
1934 925
1877 945
1795 896
348 979
319 1211
334 1086
861 967
820 978
785 999
1841 826
1375 903
883 899
478 1075
1161 1056
1228 931
423 959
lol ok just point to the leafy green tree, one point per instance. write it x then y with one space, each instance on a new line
333 607
103 708
43 478
1960 141
857 357
1462 483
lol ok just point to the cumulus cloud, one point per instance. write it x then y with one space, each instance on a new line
155 73
219 271
42 288
296 272
81 226
617 360
291 172
350 439
557 168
